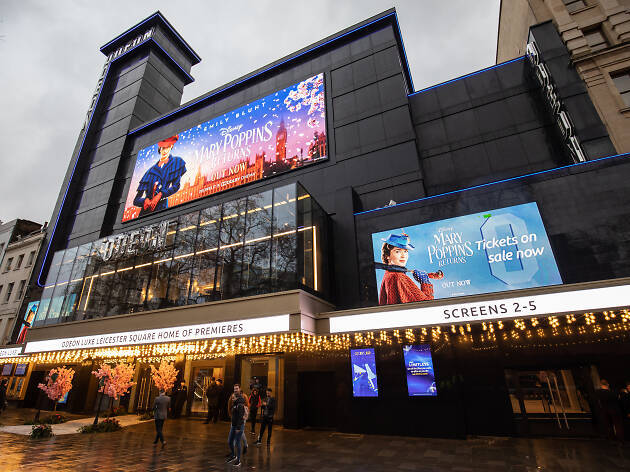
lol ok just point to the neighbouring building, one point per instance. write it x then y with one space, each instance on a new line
319 226
597 35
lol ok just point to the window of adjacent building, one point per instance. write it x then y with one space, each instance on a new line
31 257
18 264
20 291
9 263
1 287
574 5
596 39
622 82
9 291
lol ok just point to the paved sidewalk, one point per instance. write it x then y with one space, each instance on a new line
71 427
194 446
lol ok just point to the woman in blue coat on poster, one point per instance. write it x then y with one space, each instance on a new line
161 180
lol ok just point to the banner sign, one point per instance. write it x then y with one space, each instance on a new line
490 251
420 373
364 380
237 328
548 304
274 134
10 352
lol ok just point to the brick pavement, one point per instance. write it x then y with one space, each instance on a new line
193 446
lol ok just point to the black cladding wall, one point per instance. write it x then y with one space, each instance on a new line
383 144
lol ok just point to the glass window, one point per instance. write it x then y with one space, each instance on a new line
18 264
20 291
231 238
76 282
63 277
622 82
160 272
257 250
9 262
183 259
9 291
31 258
574 5
204 278
596 40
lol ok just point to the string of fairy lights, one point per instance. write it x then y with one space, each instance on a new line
546 331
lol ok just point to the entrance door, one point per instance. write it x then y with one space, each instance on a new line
551 401
316 394
200 381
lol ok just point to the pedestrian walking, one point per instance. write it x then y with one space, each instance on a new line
222 400
238 411
268 409
624 399
180 399
212 394
254 404
609 411
3 394
160 412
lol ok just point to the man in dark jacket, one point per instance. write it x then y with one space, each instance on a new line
609 411
212 394
238 426
3 394
268 409
160 412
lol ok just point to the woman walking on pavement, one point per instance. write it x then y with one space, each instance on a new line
254 404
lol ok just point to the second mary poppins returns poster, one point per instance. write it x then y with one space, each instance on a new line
490 251
277 133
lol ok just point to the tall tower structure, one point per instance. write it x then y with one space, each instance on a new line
281 142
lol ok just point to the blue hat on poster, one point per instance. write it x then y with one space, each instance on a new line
399 240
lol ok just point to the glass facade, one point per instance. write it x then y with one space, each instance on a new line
268 242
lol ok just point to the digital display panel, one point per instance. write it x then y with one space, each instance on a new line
419 367
20 369
274 134
6 369
364 380
29 317
490 251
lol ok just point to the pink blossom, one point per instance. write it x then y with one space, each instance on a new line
56 389
117 379
164 376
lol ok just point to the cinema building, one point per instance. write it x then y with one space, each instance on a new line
458 252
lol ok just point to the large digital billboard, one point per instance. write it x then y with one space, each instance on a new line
364 380
490 251
274 134
419 368
29 317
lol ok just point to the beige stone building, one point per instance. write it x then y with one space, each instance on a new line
16 267
597 35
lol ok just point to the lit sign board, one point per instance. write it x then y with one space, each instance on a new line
364 380
10 352
490 251
148 238
269 324
520 307
274 134
420 373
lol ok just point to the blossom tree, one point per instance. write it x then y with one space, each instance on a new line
113 382
58 383
164 376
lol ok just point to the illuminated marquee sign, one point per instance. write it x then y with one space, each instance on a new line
248 327
519 307
10 352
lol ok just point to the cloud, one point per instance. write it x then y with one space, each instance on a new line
51 62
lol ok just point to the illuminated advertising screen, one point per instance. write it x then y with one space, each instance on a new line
490 251
364 381
29 317
420 374
20 369
277 133
6 369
